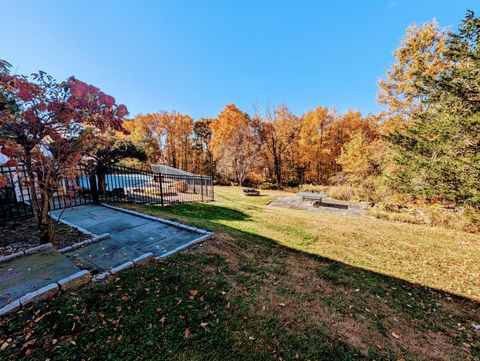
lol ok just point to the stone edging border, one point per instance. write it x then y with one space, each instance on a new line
186 245
69 283
83 277
84 243
42 247
83 230
25 252
162 220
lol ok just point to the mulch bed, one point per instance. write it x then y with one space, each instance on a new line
20 234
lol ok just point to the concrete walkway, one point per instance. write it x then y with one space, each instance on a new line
131 237
27 274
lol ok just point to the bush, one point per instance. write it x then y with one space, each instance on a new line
180 186
462 219
340 192
269 186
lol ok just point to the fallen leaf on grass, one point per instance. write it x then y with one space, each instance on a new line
395 335
29 343
193 293
187 332
125 298
39 318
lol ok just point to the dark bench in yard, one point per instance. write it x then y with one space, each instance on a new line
250 192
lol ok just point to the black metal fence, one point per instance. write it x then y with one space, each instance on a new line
141 186
111 183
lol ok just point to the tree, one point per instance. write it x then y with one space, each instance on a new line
439 155
234 143
46 125
311 141
169 136
277 131
136 134
202 137
421 53
322 136
110 150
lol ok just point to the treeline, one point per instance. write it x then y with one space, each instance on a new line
425 145
278 146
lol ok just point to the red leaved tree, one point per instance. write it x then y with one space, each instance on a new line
47 126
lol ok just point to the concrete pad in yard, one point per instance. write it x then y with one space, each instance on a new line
120 224
27 274
169 243
103 255
129 233
144 235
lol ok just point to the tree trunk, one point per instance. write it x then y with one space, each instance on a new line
46 234
101 181
32 185
277 167
93 188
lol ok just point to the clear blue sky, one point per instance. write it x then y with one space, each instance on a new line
197 56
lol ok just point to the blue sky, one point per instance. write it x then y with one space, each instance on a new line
197 56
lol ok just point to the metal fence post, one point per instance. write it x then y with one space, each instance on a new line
161 189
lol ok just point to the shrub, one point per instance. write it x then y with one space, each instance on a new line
463 219
340 192
180 186
269 185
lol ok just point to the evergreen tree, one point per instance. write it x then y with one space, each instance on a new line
439 154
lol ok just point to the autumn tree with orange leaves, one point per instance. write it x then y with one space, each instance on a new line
277 131
235 144
166 136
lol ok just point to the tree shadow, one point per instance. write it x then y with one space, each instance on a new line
208 215
204 211
363 296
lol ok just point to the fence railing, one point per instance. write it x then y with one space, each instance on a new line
110 183
141 186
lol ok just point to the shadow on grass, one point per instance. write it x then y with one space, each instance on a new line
369 292
207 215
229 306
205 211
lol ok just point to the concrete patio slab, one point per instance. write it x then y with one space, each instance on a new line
29 273
101 256
131 236
355 209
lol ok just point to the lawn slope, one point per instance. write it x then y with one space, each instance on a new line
273 284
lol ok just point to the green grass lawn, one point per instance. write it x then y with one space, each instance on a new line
273 284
